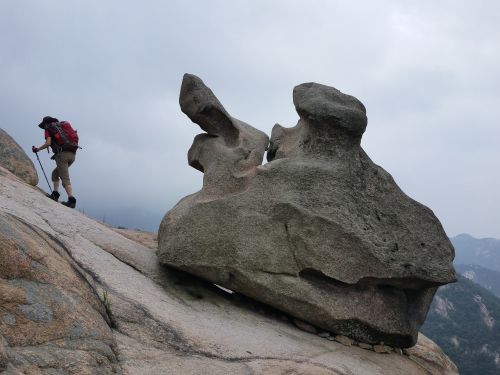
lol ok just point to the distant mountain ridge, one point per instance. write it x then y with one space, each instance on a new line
484 252
488 279
128 217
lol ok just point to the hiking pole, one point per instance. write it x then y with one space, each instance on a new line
41 166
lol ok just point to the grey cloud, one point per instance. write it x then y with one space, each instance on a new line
426 71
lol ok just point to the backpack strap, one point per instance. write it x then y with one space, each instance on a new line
56 129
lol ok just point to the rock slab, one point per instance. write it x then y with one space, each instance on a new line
319 232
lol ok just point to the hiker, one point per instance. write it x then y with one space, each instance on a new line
63 140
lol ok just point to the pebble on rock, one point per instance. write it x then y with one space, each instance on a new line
363 345
381 348
304 326
344 340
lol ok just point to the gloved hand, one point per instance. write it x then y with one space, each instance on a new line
34 149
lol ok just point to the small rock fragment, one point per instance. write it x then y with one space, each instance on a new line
381 348
398 351
344 340
366 346
304 326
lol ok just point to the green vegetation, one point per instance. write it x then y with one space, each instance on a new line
106 301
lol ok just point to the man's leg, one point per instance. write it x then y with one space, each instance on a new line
69 190
64 160
55 180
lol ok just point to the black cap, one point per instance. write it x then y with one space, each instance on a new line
47 120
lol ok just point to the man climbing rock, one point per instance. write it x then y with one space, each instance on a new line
63 140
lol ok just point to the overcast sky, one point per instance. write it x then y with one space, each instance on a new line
427 71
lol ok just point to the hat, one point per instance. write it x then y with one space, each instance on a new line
47 120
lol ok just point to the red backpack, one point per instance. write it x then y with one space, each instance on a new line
65 137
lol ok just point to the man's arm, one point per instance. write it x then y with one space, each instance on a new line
47 143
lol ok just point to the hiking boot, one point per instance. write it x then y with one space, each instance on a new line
54 196
70 203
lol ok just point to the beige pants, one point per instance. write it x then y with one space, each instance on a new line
63 160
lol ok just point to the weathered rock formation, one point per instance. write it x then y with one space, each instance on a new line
14 159
319 232
76 297
230 149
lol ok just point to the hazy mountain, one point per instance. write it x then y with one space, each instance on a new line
126 217
484 252
464 320
485 277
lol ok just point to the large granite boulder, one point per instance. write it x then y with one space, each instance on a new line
319 232
14 159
